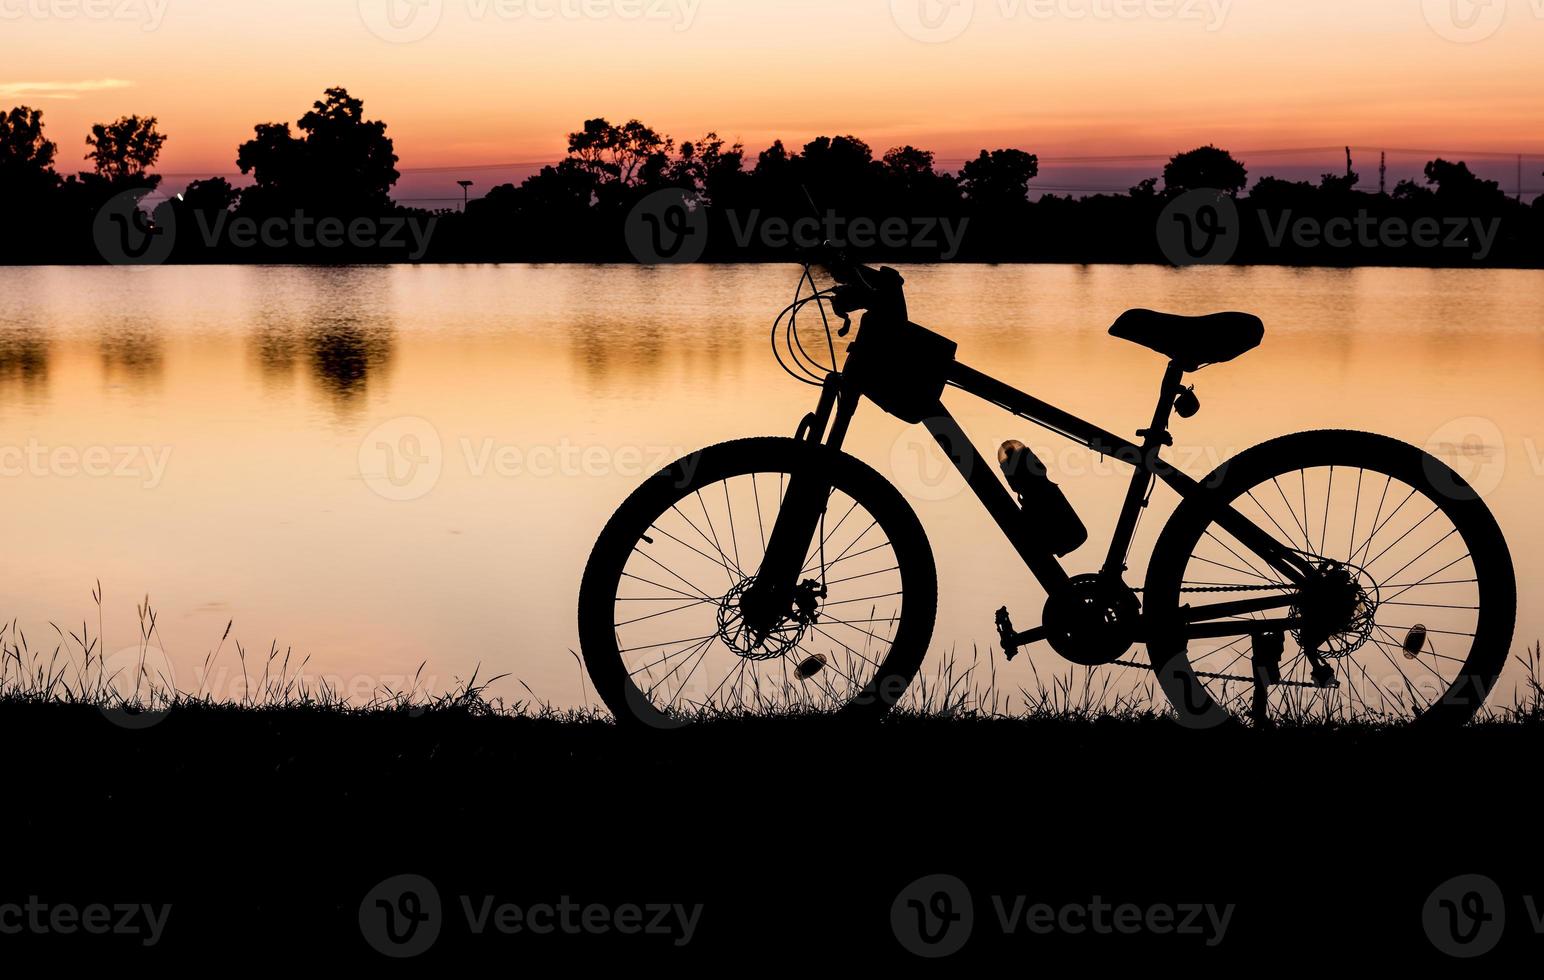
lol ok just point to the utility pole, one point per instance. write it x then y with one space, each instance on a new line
1349 171
1383 171
464 185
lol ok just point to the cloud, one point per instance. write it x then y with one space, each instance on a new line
59 90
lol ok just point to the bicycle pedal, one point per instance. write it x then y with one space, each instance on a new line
1324 676
1006 634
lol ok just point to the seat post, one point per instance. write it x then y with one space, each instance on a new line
1156 435
1154 438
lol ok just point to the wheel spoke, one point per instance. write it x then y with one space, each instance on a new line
690 652
1415 540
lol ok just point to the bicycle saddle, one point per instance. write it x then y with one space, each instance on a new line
1193 341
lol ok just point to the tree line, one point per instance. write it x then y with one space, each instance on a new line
320 191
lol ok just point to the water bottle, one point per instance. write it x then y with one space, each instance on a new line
1048 515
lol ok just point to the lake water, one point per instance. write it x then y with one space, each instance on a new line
381 467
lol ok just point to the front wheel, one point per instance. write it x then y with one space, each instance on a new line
660 625
1412 585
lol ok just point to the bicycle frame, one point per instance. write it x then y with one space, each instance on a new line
840 397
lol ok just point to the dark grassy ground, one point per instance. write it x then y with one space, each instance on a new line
271 827
266 828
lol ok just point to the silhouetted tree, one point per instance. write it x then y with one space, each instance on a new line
339 164
1204 167
1458 185
708 161
26 155
214 194
999 179
344 165
1145 189
1408 191
617 152
1270 193
28 186
1331 183
125 149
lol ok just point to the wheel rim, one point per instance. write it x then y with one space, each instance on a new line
684 649
1411 616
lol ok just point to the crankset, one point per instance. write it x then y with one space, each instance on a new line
1092 621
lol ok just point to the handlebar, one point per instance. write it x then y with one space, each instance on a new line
859 287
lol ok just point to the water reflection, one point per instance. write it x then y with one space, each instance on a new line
603 347
340 353
335 322
274 350
24 358
263 510
131 352
343 353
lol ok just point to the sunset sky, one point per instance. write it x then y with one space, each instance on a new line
502 81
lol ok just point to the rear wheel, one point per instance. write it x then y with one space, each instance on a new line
1414 600
659 619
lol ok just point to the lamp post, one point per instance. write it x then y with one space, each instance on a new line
464 185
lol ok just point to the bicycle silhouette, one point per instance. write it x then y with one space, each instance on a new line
782 574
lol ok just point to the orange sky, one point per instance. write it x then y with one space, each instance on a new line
504 80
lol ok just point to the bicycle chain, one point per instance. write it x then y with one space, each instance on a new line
1228 588
1206 675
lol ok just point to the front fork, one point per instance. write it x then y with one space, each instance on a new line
769 599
